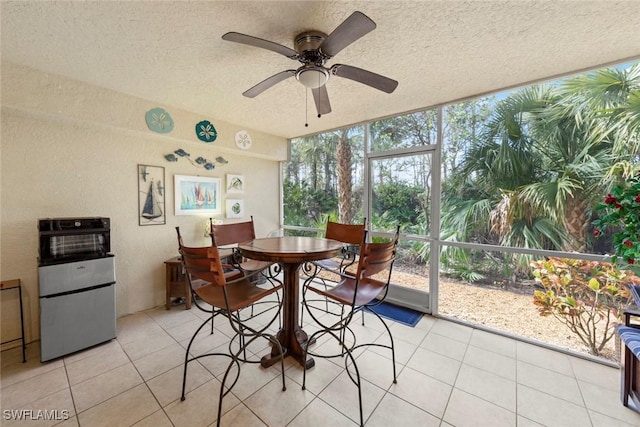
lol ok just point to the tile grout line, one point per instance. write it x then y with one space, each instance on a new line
145 381
73 400
453 386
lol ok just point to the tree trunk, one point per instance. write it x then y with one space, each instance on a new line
327 172
576 225
345 185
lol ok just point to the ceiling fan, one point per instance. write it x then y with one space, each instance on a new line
313 49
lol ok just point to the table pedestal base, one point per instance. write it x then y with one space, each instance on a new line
292 348
290 252
291 336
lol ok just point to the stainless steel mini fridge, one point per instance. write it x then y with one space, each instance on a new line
77 306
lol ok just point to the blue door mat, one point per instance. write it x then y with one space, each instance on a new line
399 314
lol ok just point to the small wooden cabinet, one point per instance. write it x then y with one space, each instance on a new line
176 282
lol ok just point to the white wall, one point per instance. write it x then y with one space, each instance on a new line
69 149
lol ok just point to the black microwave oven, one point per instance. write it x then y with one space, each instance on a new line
73 239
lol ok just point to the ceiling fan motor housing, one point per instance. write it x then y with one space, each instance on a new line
312 74
307 45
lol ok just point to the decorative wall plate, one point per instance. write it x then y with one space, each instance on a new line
159 120
243 140
206 132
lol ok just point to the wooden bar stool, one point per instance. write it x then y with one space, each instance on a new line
6 285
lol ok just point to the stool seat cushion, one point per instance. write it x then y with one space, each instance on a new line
635 293
630 336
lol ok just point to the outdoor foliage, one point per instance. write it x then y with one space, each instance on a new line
620 213
538 168
588 297
399 201
304 205
311 186
525 170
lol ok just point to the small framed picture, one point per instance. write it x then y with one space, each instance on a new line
196 195
235 208
151 190
235 184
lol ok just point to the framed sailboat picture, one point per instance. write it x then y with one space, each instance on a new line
151 191
197 195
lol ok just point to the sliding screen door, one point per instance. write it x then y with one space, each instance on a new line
400 194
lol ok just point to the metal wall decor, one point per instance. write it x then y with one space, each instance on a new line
206 132
159 120
199 161
151 192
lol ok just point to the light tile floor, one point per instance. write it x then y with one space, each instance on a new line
448 375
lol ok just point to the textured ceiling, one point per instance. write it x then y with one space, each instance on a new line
172 52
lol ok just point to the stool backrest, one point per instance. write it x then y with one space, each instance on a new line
231 234
202 263
376 258
353 234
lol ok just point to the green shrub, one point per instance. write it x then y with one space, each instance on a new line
588 297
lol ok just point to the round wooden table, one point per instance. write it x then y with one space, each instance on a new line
290 252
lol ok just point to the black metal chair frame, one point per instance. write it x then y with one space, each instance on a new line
337 267
244 334
339 328
268 271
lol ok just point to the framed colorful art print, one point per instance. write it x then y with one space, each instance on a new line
197 195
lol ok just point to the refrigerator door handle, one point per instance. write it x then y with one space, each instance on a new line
77 291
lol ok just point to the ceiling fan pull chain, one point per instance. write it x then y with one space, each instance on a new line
306 107
319 93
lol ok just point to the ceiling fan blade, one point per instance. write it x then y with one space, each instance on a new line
351 29
267 83
258 42
368 78
321 97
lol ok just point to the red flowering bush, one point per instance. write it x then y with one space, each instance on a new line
620 213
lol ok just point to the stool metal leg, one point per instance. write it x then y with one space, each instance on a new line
24 346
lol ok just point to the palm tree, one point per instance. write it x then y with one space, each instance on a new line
345 184
614 93
546 150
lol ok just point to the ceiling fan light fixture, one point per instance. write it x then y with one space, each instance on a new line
312 77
